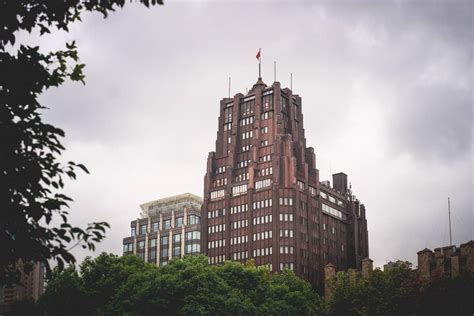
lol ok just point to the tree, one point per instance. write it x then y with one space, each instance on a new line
33 219
111 285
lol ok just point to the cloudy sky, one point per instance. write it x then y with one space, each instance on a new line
387 98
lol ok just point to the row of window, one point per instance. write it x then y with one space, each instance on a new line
244 163
265 158
239 240
216 228
240 224
216 213
286 250
239 208
261 204
262 252
219 182
246 148
286 233
242 177
193 235
262 219
330 210
217 259
247 135
262 235
286 217
284 266
192 248
266 115
217 194
220 169
240 255
178 222
246 121
286 201
239 189
265 183
265 171
332 199
216 243
300 184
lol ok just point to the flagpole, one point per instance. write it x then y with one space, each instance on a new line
259 64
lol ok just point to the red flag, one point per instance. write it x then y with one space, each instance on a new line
258 54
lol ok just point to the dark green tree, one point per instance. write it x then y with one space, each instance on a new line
111 285
33 215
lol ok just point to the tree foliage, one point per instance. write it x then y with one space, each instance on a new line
111 285
400 291
33 216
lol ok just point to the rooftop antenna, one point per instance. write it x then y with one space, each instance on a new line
259 57
274 71
449 216
291 81
229 87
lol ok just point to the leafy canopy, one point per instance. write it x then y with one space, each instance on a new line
33 217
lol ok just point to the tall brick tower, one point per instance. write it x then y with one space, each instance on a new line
262 191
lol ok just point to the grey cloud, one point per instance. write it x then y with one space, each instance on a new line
387 98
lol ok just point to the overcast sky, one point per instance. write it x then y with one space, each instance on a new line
386 89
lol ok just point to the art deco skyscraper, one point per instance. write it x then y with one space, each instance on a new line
262 192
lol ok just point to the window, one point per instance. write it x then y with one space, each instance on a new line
167 224
264 143
267 102
164 253
228 114
133 231
286 201
178 221
286 217
263 183
312 190
193 235
176 238
229 139
284 266
217 194
323 195
264 130
239 189
300 185
128 248
141 245
193 219
286 233
176 251
152 250
266 115
332 211
192 248
155 226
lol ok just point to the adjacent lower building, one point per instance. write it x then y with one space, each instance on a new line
31 286
263 198
167 228
451 260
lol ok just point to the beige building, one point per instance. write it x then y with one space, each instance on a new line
167 228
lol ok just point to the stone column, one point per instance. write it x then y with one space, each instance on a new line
454 266
367 267
329 275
